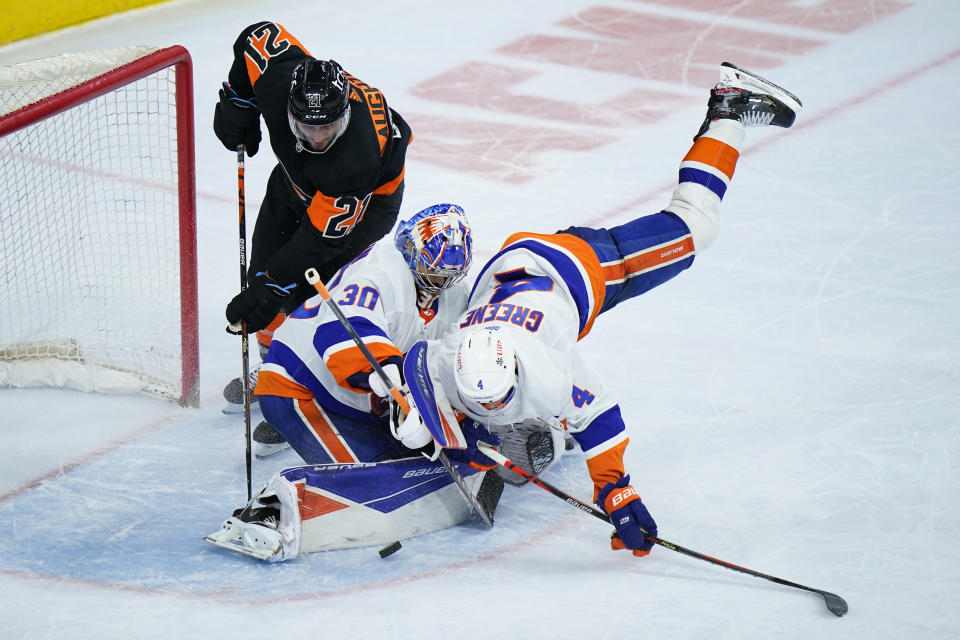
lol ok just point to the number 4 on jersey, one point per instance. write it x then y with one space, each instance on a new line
581 396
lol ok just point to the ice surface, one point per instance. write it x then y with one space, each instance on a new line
792 400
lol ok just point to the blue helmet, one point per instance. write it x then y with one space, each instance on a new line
435 243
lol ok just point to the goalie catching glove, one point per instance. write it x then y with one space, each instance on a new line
258 304
629 515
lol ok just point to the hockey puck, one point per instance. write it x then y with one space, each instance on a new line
390 549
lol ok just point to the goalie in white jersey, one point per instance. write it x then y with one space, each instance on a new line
315 383
515 355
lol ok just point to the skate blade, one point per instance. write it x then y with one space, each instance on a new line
262 450
740 76
229 408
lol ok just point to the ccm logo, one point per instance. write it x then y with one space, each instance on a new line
618 498
423 472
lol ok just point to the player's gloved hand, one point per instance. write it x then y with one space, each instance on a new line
472 455
629 516
236 121
410 429
258 304
376 383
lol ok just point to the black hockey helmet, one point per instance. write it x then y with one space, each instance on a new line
318 105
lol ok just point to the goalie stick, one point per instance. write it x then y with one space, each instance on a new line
313 277
835 604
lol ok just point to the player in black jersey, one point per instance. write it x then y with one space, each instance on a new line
338 183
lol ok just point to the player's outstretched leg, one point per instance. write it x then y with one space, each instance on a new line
750 99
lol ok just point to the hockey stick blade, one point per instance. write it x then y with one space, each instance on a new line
835 604
474 502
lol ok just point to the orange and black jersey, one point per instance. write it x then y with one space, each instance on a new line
335 187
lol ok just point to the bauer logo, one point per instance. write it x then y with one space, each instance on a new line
427 471
623 495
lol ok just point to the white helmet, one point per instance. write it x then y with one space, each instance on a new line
486 371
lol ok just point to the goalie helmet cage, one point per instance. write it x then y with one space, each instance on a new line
98 223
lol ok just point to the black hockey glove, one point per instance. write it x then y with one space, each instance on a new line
257 305
236 121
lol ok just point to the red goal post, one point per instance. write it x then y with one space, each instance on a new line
98 223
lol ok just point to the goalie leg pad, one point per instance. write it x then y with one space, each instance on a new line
356 505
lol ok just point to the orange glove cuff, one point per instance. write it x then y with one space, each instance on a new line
617 545
619 498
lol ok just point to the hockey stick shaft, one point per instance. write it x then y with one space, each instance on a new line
244 335
313 277
835 603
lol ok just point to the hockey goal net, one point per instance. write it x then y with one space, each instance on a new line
98 223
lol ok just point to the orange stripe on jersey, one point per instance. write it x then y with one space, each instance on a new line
647 260
349 361
587 259
321 427
606 467
389 188
377 107
271 383
313 504
265 335
711 151
323 210
279 41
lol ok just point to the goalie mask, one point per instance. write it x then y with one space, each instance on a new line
318 108
486 371
436 245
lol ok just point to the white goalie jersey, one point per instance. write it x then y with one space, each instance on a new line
313 356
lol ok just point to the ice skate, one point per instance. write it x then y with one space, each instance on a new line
252 532
260 529
751 100
267 442
233 394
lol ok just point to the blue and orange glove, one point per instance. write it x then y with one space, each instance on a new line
629 515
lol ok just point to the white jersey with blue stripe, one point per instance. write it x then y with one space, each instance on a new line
541 291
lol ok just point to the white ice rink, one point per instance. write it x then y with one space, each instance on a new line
792 399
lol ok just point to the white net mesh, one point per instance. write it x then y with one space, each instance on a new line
89 232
